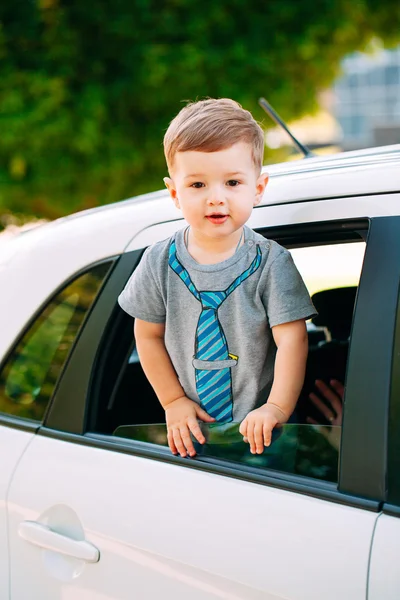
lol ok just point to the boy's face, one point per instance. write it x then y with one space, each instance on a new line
216 191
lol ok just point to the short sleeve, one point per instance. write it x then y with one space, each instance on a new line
286 297
141 297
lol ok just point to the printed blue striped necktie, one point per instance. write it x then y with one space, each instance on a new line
212 360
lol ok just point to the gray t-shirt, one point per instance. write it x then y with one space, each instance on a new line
218 317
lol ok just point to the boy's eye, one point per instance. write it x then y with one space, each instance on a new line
232 182
197 184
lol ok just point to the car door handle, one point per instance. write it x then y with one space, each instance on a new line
41 535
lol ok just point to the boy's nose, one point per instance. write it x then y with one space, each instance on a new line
216 197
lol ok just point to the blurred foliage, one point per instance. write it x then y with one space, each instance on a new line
29 377
87 89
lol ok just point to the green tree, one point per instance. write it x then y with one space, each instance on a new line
87 89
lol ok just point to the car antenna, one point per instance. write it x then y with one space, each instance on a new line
275 117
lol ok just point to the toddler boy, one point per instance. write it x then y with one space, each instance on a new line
219 310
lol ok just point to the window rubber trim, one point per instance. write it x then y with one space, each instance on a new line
19 423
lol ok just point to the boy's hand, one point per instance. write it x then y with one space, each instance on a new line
257 427
181 416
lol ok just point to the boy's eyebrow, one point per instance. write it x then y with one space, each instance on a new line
225 175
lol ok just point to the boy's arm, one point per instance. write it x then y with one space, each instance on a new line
181 413
291 340
156 362
290 363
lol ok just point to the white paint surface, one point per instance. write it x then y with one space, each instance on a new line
384 577
12 445
165 531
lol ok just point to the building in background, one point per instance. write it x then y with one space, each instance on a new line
320 132
361 110
367 99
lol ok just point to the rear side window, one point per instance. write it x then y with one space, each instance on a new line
29 376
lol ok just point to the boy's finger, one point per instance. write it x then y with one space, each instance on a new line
243 428
178 442
250 435
267 435
203 415
186 439
196 431
171 443
258 438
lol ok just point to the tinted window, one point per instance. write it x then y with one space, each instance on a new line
29 376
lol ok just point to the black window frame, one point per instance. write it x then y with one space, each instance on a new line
68 414
364 449
364 453
392 506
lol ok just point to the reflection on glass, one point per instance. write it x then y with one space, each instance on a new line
330 266
28 379
309 450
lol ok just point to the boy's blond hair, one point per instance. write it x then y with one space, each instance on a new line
212 125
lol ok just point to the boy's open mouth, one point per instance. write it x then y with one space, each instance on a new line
217 218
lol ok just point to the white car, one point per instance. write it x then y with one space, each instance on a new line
93 506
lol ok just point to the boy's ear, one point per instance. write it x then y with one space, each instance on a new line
261 184
172 190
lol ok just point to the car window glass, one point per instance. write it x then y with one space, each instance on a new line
331 273
308 450
28 378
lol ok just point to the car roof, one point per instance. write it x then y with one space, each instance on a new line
361 172
368 171
357 161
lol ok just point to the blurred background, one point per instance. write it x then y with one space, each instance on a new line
87 89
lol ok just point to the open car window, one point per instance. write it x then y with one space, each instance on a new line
309 445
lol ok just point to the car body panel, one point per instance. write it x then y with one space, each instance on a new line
243 540
288 214
384 574
13 443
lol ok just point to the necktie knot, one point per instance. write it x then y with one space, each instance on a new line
212 299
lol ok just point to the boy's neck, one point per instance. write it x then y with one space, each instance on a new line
208 251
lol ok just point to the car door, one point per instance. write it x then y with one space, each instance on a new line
100 516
